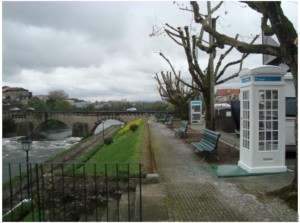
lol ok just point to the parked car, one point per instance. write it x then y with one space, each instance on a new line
15 109
131 109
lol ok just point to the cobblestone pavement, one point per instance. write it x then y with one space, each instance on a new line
194 194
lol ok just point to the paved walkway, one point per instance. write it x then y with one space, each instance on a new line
192 193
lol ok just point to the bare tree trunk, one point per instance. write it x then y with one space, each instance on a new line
211 72
208 120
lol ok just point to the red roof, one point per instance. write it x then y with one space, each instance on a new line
224 92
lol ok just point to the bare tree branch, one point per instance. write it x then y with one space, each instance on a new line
163 56
216 8
240 61
221 58
243 47
173 35
228 78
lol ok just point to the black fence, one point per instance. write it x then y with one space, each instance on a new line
73 192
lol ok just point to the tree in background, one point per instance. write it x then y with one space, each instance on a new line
57 101
174 91
36 103
58 95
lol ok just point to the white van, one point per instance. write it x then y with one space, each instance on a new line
290 109
131 109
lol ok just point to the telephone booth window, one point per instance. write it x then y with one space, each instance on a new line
246 117
268 120
196 108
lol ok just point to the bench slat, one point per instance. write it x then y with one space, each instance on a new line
203 147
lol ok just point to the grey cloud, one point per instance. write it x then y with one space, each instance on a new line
100 19
49 49
99 50
59 34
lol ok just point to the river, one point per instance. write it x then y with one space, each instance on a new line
55 141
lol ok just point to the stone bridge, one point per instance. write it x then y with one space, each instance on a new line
87 121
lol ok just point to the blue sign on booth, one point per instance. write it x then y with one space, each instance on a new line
267 78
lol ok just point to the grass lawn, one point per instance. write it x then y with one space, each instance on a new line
127 147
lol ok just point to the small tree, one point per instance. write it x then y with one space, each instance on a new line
174 91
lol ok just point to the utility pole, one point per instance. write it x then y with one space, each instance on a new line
211 71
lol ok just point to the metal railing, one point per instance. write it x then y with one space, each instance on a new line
73 192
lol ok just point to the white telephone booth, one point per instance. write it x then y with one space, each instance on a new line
262 126
196 112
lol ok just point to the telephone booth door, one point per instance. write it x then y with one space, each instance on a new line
196 112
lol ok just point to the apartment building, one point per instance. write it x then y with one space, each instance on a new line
15 95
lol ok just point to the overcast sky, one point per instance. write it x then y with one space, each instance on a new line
102 50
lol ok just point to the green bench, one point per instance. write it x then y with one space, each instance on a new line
208 142
161 118
182 130
169 122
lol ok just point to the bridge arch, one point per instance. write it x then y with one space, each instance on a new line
103 119
39 127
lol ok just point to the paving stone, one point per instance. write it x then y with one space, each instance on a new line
152 178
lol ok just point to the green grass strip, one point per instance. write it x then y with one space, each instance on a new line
127 147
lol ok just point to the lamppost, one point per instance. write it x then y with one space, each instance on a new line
26 146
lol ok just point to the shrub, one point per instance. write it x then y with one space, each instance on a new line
133 127
108 141
127 127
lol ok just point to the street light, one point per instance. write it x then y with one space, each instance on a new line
26 146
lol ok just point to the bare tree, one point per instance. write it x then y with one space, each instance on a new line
201 77
174 91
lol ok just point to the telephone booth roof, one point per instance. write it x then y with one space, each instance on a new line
264 69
